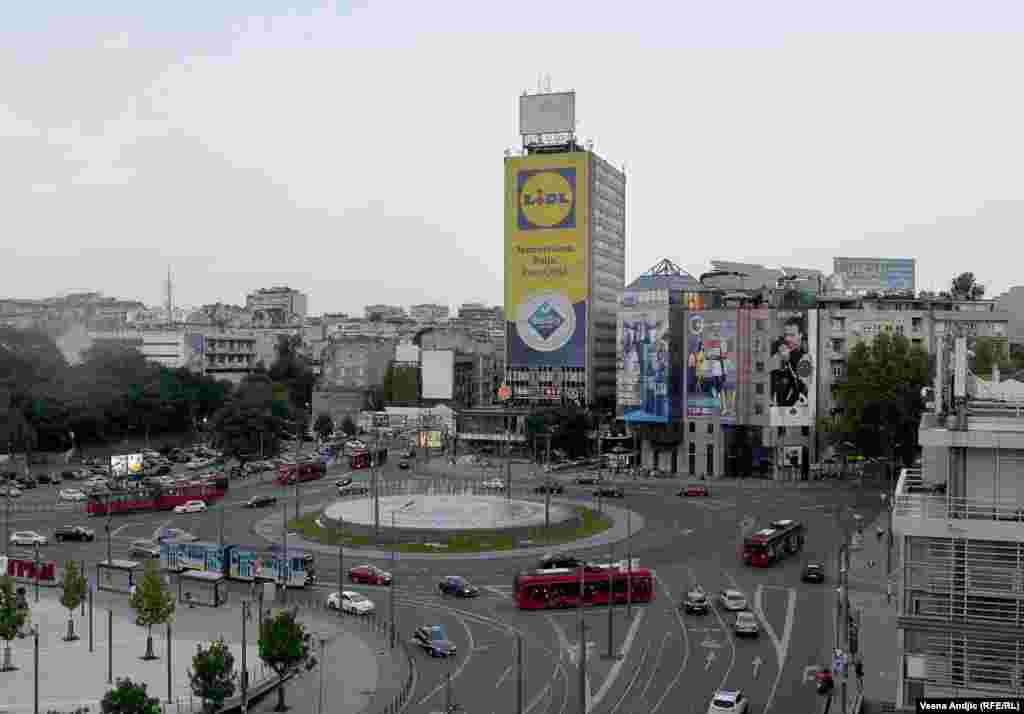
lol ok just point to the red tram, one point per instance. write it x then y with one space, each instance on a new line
155 498
560 587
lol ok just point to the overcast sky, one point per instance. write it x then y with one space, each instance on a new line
356 153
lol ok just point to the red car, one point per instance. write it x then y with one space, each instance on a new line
695 490
369 574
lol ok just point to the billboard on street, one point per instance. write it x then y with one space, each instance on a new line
711 365
794 344
126 464
645 381
546 275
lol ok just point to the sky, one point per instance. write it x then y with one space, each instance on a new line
354 150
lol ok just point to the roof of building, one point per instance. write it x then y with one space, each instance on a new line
665 275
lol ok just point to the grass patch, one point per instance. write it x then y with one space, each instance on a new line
586 523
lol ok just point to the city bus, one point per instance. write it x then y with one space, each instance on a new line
299 473
155 497
362 458
560 587
769 545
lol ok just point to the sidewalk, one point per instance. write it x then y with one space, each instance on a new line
71 676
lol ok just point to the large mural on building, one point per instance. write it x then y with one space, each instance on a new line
711 366
645 380
793 370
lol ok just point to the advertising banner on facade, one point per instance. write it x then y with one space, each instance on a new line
645 378
429 439
711 366
794 341
126 465
546 278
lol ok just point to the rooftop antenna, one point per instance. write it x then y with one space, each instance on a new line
540 89
170 297
547 80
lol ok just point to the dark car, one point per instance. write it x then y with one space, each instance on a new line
260 502
588 480
403 464
161 470
552 488
49 478
26 482
559 560
343 482
74 533
148 548
434 639
609 492
458 586
369 574
696 602
813 573
350 489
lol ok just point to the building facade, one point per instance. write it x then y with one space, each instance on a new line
861 276
429 314
383 312
278 304
355 363
564 271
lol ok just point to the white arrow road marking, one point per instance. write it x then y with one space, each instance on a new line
709 660
503 677
709 643
686 645
757 662
781 646
613 673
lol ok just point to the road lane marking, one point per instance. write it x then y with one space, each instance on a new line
686 644
783 647
458 670
632 682
657 665
503 677
613 673
756 663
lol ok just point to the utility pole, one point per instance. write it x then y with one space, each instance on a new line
391 595
341 562
169 690
282 568
376 489
629 562
611 606
296 498
109 556
846 617
583 690
36 570
110 646
520 681
245 670
220 508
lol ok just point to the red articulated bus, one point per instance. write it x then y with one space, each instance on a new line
362 458
769 545
155 498
560 587
298 473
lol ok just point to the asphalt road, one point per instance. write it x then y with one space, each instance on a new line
672 662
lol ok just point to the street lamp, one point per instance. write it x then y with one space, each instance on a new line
394 546
35 640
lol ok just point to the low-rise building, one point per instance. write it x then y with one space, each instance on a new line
278 305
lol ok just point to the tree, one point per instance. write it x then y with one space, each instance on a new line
401 383
348 426
965 287
990 352
324 426
882 396
75 588
14 615
212 676
284 647
292 369
152 604
248 422
129 697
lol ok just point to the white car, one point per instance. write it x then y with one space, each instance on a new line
96 482
729 701
351 602
191 507
71 494
12 491
198 464
28 538
495 484
732 600
746 625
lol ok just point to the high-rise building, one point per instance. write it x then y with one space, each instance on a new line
429 313
278 304
565 211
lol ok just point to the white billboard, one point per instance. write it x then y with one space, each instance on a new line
126 464
547 113
438 371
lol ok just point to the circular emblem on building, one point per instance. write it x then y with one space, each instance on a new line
546 321
697 324
546 199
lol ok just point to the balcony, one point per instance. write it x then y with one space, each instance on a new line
924 509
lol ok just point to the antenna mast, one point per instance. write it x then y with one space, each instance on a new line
170 297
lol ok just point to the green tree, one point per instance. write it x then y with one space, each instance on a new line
882 396
324 426
212 676
14 615
153 605
401 383
990 352
129 697
284 647
74 590
248 421
292 369
348 426
965 287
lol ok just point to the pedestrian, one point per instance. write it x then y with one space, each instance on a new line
859 669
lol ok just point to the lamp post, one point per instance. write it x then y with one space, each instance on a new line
36 570
323 642
245 670
629 562
169 690
611 605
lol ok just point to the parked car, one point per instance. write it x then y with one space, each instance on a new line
493 484
369 574
696 601
732 600
71 494
458 586
403 464
27 482
813 573
352 489
588 480
434 639
609 492
145 548
191 507
746 625
729 701
260 502
79 533
10 490
177 534
351 602
695 489
552 488
30 538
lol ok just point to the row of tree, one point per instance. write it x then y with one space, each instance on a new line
284 644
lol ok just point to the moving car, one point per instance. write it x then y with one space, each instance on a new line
353 488
588 480
71 494
458 586
694 489
147 548
729 701
176 534
732 600
191 507
494 484
609 492
403 464
343 482
351 602
79 533
552 488
260 502
369 574
12 491
434 639
813 573
746 625
28 538
696 601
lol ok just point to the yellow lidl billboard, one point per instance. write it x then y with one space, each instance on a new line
546 250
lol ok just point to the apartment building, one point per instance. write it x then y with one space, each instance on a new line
280 304
355 362
429 313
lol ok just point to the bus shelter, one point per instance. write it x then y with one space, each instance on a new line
202 587
117 576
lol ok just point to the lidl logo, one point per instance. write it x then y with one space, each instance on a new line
547 199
